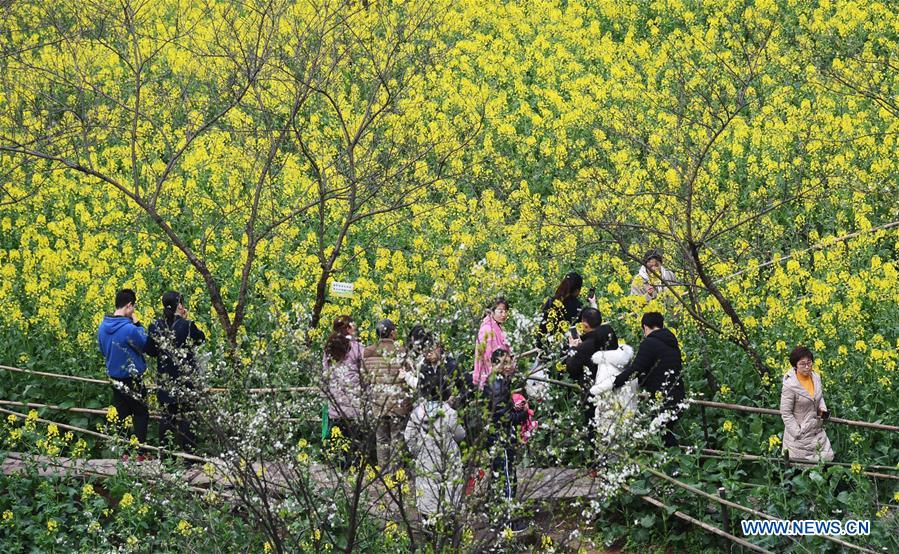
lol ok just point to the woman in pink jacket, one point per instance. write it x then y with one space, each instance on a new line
342 363
490 337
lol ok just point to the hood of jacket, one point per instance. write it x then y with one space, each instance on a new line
111 324
665 336
122 344
618 357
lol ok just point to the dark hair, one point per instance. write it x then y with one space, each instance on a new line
591 317
338 344
170 301
384 328
434 385
800 353
498 355
420 339
571 285
496 302
653 320
124 297
652 254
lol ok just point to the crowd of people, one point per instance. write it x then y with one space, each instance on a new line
390 398
376 386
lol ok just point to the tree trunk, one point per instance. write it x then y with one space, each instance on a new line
321 293
743 339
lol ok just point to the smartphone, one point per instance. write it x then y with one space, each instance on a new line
591 293
573 332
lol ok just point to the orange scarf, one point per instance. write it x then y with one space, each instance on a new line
807 383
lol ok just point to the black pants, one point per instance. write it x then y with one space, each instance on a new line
176 423
669 438
129 397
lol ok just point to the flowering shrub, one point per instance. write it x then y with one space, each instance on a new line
48 508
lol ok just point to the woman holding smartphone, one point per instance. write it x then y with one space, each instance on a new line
562 310
173 340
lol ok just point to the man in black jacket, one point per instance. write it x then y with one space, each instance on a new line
579 363
658 365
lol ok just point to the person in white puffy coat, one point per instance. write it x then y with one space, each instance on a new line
612 406
432 436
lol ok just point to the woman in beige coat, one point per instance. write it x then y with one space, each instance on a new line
803 410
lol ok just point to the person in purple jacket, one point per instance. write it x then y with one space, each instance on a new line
342 364
122 341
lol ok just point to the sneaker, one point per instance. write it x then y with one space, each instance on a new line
519 526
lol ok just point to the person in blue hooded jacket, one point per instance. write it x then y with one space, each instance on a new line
122 341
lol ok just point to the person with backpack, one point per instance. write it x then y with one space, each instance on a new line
388 395
122 340
173 340
432 436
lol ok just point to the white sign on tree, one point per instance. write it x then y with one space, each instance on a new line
341 289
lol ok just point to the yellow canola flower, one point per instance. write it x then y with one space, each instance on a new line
184 528
546 542
400 475
112 414
390 529
773 442
127 500
80 448
52 525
